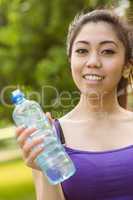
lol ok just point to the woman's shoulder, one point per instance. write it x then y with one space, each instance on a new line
68 116
72 116
68 121
127 115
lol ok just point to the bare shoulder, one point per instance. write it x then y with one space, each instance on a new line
68 116
68 121
122 128
127 115
65 120
126 120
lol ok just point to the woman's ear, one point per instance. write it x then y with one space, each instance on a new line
127 70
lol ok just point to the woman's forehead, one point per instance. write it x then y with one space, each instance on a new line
100 31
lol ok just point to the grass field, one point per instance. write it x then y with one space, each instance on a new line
15 178
16 181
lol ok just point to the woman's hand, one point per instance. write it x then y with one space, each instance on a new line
27 146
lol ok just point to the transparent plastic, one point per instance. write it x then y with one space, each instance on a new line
54 162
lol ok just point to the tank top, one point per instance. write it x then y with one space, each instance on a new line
100 175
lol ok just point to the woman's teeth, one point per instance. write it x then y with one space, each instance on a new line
93 77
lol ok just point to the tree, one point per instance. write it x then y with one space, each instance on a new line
33 49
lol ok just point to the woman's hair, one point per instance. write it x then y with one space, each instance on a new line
123 30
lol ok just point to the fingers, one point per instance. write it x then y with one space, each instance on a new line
22 134
31 148
19 130
29 161
48 114
34 144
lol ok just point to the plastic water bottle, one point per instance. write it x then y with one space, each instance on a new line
53 161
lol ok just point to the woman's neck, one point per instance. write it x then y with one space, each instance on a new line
95 106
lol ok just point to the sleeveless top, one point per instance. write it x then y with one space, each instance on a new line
100 175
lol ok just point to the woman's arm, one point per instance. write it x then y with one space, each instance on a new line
45 191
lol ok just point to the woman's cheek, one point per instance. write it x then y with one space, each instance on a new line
75 74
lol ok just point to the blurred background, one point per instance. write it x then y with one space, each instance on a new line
33 58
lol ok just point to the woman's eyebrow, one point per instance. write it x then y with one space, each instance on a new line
83 41
109 41
101 43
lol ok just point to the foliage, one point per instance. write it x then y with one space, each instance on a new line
33 50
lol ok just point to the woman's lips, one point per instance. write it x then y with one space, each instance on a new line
93 77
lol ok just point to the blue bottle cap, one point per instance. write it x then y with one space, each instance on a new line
17 96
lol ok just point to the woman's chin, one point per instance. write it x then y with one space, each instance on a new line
92 92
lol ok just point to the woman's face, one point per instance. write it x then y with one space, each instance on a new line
97 59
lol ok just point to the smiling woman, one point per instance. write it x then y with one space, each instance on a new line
95 67
98 133
114 37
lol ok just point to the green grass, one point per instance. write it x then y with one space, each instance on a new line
16 181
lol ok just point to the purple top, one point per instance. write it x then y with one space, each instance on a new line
100 175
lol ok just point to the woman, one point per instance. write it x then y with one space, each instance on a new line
98 132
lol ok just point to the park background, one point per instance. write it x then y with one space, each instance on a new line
33 58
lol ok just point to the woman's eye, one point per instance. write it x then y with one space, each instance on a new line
81 51
108 52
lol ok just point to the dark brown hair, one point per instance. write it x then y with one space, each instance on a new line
123 30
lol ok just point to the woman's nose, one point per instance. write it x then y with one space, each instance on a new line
93 61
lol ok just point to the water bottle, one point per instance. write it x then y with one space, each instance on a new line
53 161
